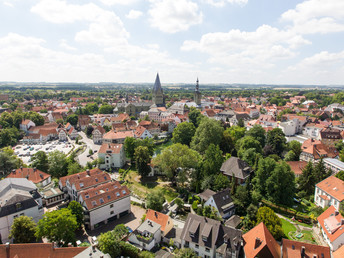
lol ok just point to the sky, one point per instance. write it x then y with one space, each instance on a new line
218 41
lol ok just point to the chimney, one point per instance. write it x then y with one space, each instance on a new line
257 243
88 171
13 171
303 252
8 249
336 213
94 248
156 214
342 221
34 169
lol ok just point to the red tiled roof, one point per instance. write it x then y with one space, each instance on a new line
118 135
34 175
339 253
104 194
333 186
258 240
110 147
39 250
160 218
293 249
26 121
139 131
317 149
297 166
86 179
331 213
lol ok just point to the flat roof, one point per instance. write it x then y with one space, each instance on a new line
335 162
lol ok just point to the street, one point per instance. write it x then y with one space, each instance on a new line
83 159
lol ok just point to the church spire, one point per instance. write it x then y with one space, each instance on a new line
197 85
197 94
157 85
157 93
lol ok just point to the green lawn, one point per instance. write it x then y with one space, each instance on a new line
142 188
287 227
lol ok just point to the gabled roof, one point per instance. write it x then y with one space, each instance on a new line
110 148
34 175
330 221
206 194
223 201
333 186
339 253
112 135
297 166
237 167
158 217
259 241
293 249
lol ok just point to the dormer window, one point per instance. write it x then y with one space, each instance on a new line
205 239
81 184
96 179
94 203
118 194
87 196
124 192
101 200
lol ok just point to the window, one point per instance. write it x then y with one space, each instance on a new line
118 194
207 249
15 216
101 200
81 184
96 179
109 197
111 205
197 246
124 192
111 212
186 245
105 177
94 203
87 196
21 214
107 189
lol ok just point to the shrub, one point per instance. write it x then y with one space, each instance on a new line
128 250
195 205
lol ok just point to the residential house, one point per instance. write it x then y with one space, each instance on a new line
163 220
62 134
73 133
329 192
313 130
92 252
113 155
97 134
26 124
314 150
267 120
147 235
36 176
237 168
83 122
210 238
104 203
234 120
74 184
117 137
258 242
222 202
329 136
18 197
68 126
289 128
334 164
52 196
297 167
339 253
142 133
291 249
331 223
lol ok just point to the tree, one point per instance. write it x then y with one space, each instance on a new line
195 117
77 211
236 132
250 156
276 139
213 160
241 122
155 201
306 181
72 119
227 143
280 186
183 133
290 156
105 109
89 130
8 162
221 182
245 143
129 147
241 199
257 132
340 175
57 164
108 243
271 221
186 253
320 172
142 158
176 157
23 230
40 161
62 234
295 147
263 172
35 117
120 231
209 131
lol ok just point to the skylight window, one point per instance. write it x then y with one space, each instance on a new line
118 194
101 200
81 184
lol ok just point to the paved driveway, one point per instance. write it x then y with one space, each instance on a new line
83 159
132 220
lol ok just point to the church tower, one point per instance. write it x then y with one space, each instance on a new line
197 94
157 94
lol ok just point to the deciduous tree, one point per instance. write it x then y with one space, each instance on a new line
183 133
271 221
23 230
142 158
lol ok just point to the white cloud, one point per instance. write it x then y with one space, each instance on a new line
134 14
65 45
221 3
257 48
118 2
316 16
172 16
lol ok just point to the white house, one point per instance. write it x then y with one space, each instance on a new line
331 223
147 235
112 154
26 124
222 202
62 134
97 134
289 128
36 176
329 192
18 197
142 133
334 164
104 203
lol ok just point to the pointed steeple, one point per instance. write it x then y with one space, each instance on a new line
197 94
157 85
197 85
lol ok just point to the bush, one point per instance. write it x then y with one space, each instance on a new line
128 250
190 199
195 205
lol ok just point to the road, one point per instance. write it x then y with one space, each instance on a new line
83 159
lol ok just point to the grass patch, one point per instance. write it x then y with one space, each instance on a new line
308 236
142 188
287 227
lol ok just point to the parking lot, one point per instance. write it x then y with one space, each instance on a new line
25 151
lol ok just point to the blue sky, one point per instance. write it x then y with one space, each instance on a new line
219 41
